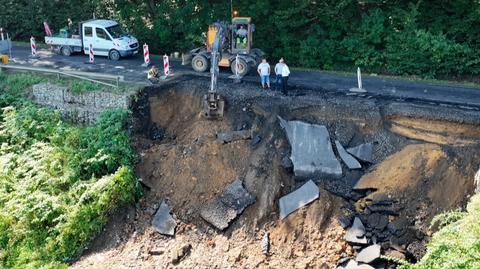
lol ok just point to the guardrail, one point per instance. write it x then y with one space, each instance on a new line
88 76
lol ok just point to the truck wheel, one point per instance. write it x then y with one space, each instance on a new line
114 55
200 63
243 67
66 51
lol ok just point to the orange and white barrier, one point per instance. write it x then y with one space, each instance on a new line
33 46
91 58
166 65
146 55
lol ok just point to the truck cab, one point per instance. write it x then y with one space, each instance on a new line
106 37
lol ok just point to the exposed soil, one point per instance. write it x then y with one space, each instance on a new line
181 160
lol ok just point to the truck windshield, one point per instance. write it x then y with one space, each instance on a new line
116 31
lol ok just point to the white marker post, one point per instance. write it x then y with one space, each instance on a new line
360 88
359 78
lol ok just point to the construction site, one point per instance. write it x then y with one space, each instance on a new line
333 173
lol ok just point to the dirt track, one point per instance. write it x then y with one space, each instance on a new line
421 154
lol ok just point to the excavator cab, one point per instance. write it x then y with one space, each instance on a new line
241 38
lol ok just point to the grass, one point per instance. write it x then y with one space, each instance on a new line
58 182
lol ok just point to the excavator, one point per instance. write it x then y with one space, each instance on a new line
5 47
226 46
237 45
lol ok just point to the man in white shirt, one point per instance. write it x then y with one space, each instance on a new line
264 72
278 74
285 75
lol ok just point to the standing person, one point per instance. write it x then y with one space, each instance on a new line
264 72
278 74
285 75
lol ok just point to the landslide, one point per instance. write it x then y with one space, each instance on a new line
182 161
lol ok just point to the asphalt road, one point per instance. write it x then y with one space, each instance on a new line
132 70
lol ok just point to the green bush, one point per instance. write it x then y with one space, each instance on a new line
455 245
58 182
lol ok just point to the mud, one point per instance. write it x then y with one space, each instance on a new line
426 171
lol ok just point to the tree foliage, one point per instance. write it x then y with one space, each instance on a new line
426 38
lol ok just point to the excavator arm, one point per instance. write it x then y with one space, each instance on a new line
213 102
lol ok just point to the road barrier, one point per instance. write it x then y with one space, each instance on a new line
146 55
91 58
33 46
88 76
166 65
237 66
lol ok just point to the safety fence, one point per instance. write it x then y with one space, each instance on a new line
94 77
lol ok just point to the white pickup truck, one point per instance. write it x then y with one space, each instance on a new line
106 37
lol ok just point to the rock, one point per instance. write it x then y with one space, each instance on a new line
156 133
417 250
312 152
351 265
389 210
298 198
345 221
287 163
181 253
265 244
236 197
365 266
395 254
163 222
377 221
255 141
222 210
369 254
156 251
231 136
398 227
362 152
351 162
356 233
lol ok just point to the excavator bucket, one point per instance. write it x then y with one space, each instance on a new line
213 106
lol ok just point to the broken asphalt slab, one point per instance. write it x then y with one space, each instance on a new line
222 210
362 152
356 233
298 198
351 162
369 254
312 152
163 222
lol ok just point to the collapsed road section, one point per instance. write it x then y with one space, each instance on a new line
315 180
